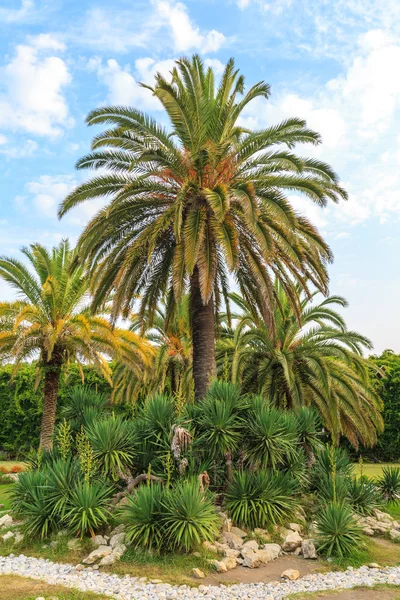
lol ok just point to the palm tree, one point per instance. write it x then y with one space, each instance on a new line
171 370
51 320
205 197
313 360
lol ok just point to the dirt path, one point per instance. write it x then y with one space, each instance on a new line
270 572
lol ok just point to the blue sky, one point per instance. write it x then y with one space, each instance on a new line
333 62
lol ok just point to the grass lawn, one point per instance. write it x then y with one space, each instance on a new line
372 470
383 592
4 494
13 587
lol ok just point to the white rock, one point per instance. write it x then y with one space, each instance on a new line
251 544
6 521
251 559
273 549
109 559
198 573
394 534
19 537
8 536
308 549
292 541
219 566
233 541
98 540
117 539
74 544
100 552
231 553
291 574
295 527
239 532
229 562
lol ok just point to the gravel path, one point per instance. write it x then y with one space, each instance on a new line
131 588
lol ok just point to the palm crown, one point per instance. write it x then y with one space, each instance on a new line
314 360
205 197
52 318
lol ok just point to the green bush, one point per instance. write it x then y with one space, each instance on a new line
338 535
270 437
112 441
389 484
142 516
88 507
82 405
363 495
261 498
189 516
30 502
177 519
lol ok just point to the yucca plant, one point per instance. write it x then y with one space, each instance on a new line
389 484
61 476
189 516
270 436
339 535
143 517
112 441
88 507
261 498
30 502
363 495
82 406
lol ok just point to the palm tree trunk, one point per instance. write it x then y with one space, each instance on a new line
51 384
203 338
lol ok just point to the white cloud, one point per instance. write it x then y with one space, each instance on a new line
32 89
48 191
45 194
185 34
24 149
123 86
16 15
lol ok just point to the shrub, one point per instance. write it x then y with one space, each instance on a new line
30 502
87 508
338 534
83 405
189 517
363 495
112 442
4 470
142 516
270 436
389 484
261 498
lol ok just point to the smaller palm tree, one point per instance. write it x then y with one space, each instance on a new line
306 358
51 321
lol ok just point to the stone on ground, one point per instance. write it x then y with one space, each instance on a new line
308 549
198 573
292 541
291 574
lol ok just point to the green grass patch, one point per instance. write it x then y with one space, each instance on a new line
372 470
333 594
5 490
13 587
383 552
172 567
393 508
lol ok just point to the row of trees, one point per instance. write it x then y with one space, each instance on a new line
190 207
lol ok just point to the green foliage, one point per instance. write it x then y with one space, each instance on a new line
21 404
112 441
142 516
87 461
189 516
82 405
363 495
270 435
29 501
338 534
177 519
88 507
64 439
261 498
389 484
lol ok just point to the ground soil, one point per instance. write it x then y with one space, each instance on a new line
270 572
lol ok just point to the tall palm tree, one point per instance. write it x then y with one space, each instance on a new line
314 360
51 321
205 196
